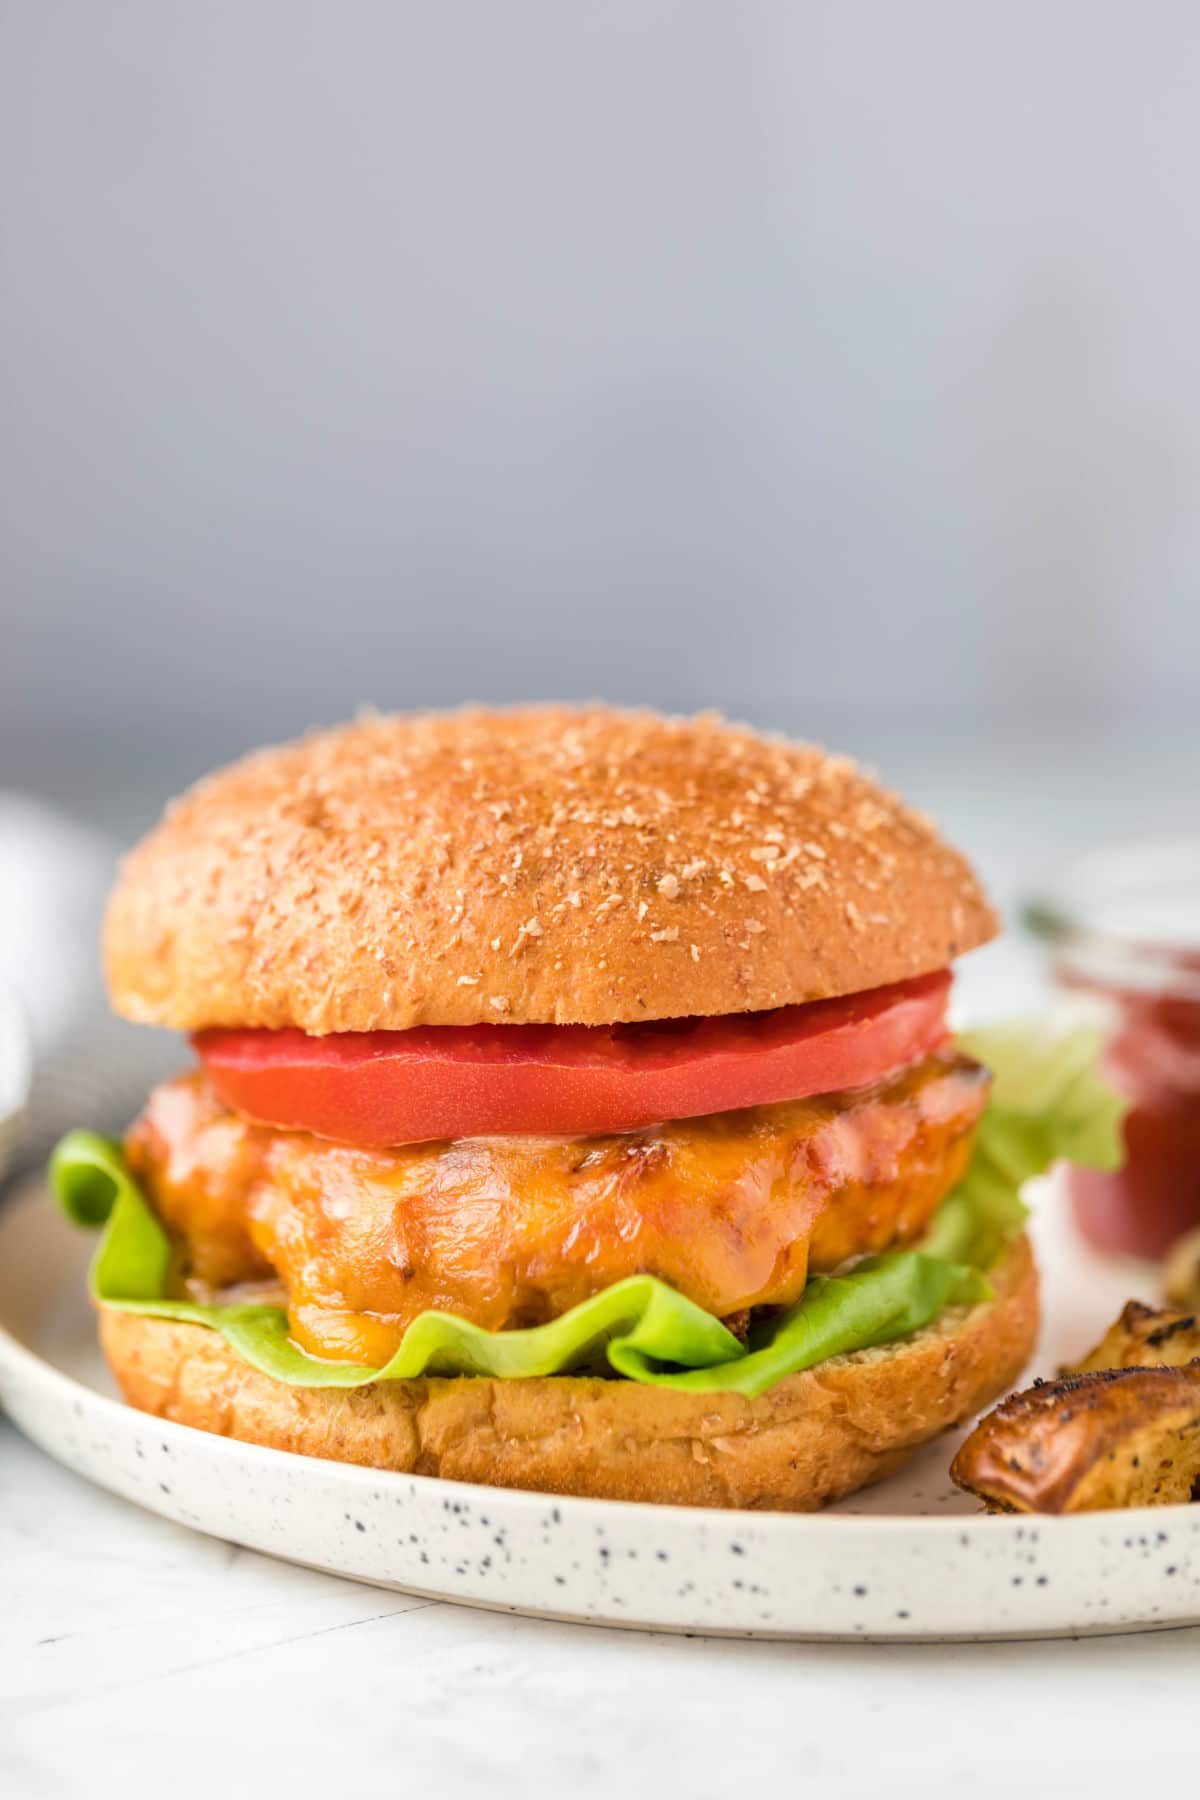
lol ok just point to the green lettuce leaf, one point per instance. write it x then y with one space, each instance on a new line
878 1301
1048 1103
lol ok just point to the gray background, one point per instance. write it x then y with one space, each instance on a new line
834 362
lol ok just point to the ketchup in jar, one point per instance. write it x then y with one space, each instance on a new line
1124 926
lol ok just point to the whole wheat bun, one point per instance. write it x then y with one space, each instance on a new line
544 865
808 1440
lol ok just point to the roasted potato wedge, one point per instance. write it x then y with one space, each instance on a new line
1181 1273
1144 1337
1089 1443
1120 1428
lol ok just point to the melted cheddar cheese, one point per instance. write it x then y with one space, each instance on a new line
732 1210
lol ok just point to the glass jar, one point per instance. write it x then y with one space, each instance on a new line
1124 929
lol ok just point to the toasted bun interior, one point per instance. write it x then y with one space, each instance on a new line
809 1440
546 865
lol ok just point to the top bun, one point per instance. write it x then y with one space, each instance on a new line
543 865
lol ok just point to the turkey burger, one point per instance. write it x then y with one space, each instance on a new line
572 1108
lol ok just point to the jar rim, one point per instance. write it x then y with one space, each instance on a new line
1126 916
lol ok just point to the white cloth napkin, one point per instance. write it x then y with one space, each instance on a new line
87 1067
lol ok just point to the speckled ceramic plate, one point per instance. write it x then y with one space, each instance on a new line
909 1559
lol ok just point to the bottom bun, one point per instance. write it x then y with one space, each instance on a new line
808 1440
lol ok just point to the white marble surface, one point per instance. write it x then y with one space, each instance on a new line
136 1657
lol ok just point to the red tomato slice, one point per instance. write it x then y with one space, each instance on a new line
381 1088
